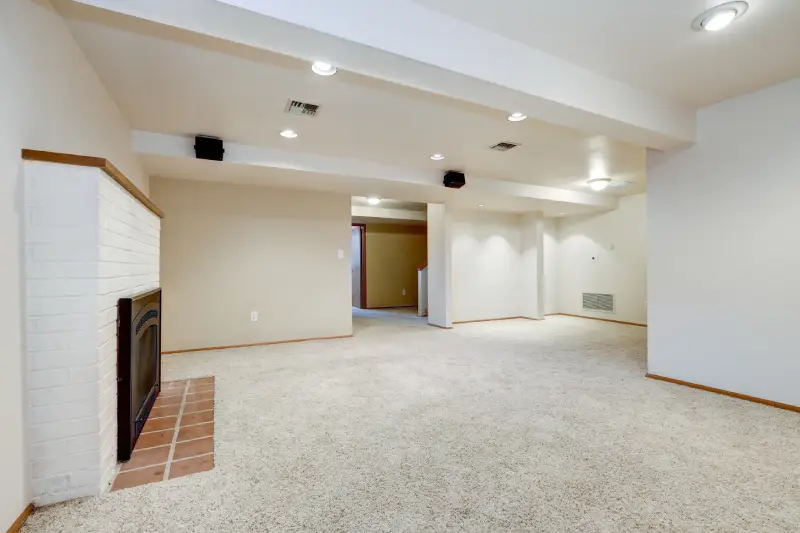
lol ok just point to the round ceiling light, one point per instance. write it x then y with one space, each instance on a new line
720 17
374 200
599 184
323 69
516 117
289 134
437 157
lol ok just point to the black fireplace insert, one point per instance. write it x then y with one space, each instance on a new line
138 366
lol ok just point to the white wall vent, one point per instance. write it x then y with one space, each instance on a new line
295 107
598 302
503 146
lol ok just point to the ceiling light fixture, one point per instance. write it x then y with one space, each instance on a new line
720 17
289 134
480 205
373 200
599 184
323 69
437 157
516 117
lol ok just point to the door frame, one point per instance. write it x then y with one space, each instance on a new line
362 228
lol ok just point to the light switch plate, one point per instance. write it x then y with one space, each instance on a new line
253 316
341 254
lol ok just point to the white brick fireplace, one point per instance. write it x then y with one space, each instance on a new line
88 243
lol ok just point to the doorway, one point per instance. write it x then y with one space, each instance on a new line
358 263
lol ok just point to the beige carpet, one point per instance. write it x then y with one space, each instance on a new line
505 426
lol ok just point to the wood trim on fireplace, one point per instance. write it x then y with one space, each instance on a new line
95 162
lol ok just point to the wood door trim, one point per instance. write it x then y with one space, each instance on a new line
362 228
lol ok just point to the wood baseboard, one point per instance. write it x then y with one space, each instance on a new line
600 319
268 343
440 327
495 319
17 525
706 388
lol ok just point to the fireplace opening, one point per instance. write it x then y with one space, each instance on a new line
138 366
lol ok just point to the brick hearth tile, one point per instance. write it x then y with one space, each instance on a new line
173 384
151 440
171 393
197 381
167 400
191 466
149 457
184 450
198 406
134 478
197 418
167 410
201 388
200 396
159 424
196 432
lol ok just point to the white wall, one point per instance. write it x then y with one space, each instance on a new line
550 247
50 99
487 265
88 244
617 241
724 260
228 250
440 266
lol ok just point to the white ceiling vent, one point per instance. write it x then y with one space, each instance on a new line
503 146
598 302
294 107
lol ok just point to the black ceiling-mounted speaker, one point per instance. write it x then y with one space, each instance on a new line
208 148
454 180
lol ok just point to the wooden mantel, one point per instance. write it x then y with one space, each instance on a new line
96 162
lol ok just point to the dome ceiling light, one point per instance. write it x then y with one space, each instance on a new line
720 17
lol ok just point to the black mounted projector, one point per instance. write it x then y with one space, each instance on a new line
454 180
208 148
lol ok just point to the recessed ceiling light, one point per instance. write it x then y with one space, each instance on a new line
720 17
516 117
599 184
437 157
323 69
480 205
289 134
374 200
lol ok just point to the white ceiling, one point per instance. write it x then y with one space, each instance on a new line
172 81
649 43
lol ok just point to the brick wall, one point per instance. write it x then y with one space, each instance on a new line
88 243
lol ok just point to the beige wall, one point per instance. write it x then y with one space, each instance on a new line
50 99
394 253
227 250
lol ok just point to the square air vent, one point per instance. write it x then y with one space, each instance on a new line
295 107
503 146
598 302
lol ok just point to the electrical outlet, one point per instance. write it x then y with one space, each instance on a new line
404 292
253 316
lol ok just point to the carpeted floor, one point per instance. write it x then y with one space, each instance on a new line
500 426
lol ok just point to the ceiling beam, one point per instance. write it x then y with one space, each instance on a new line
445 56
427 183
